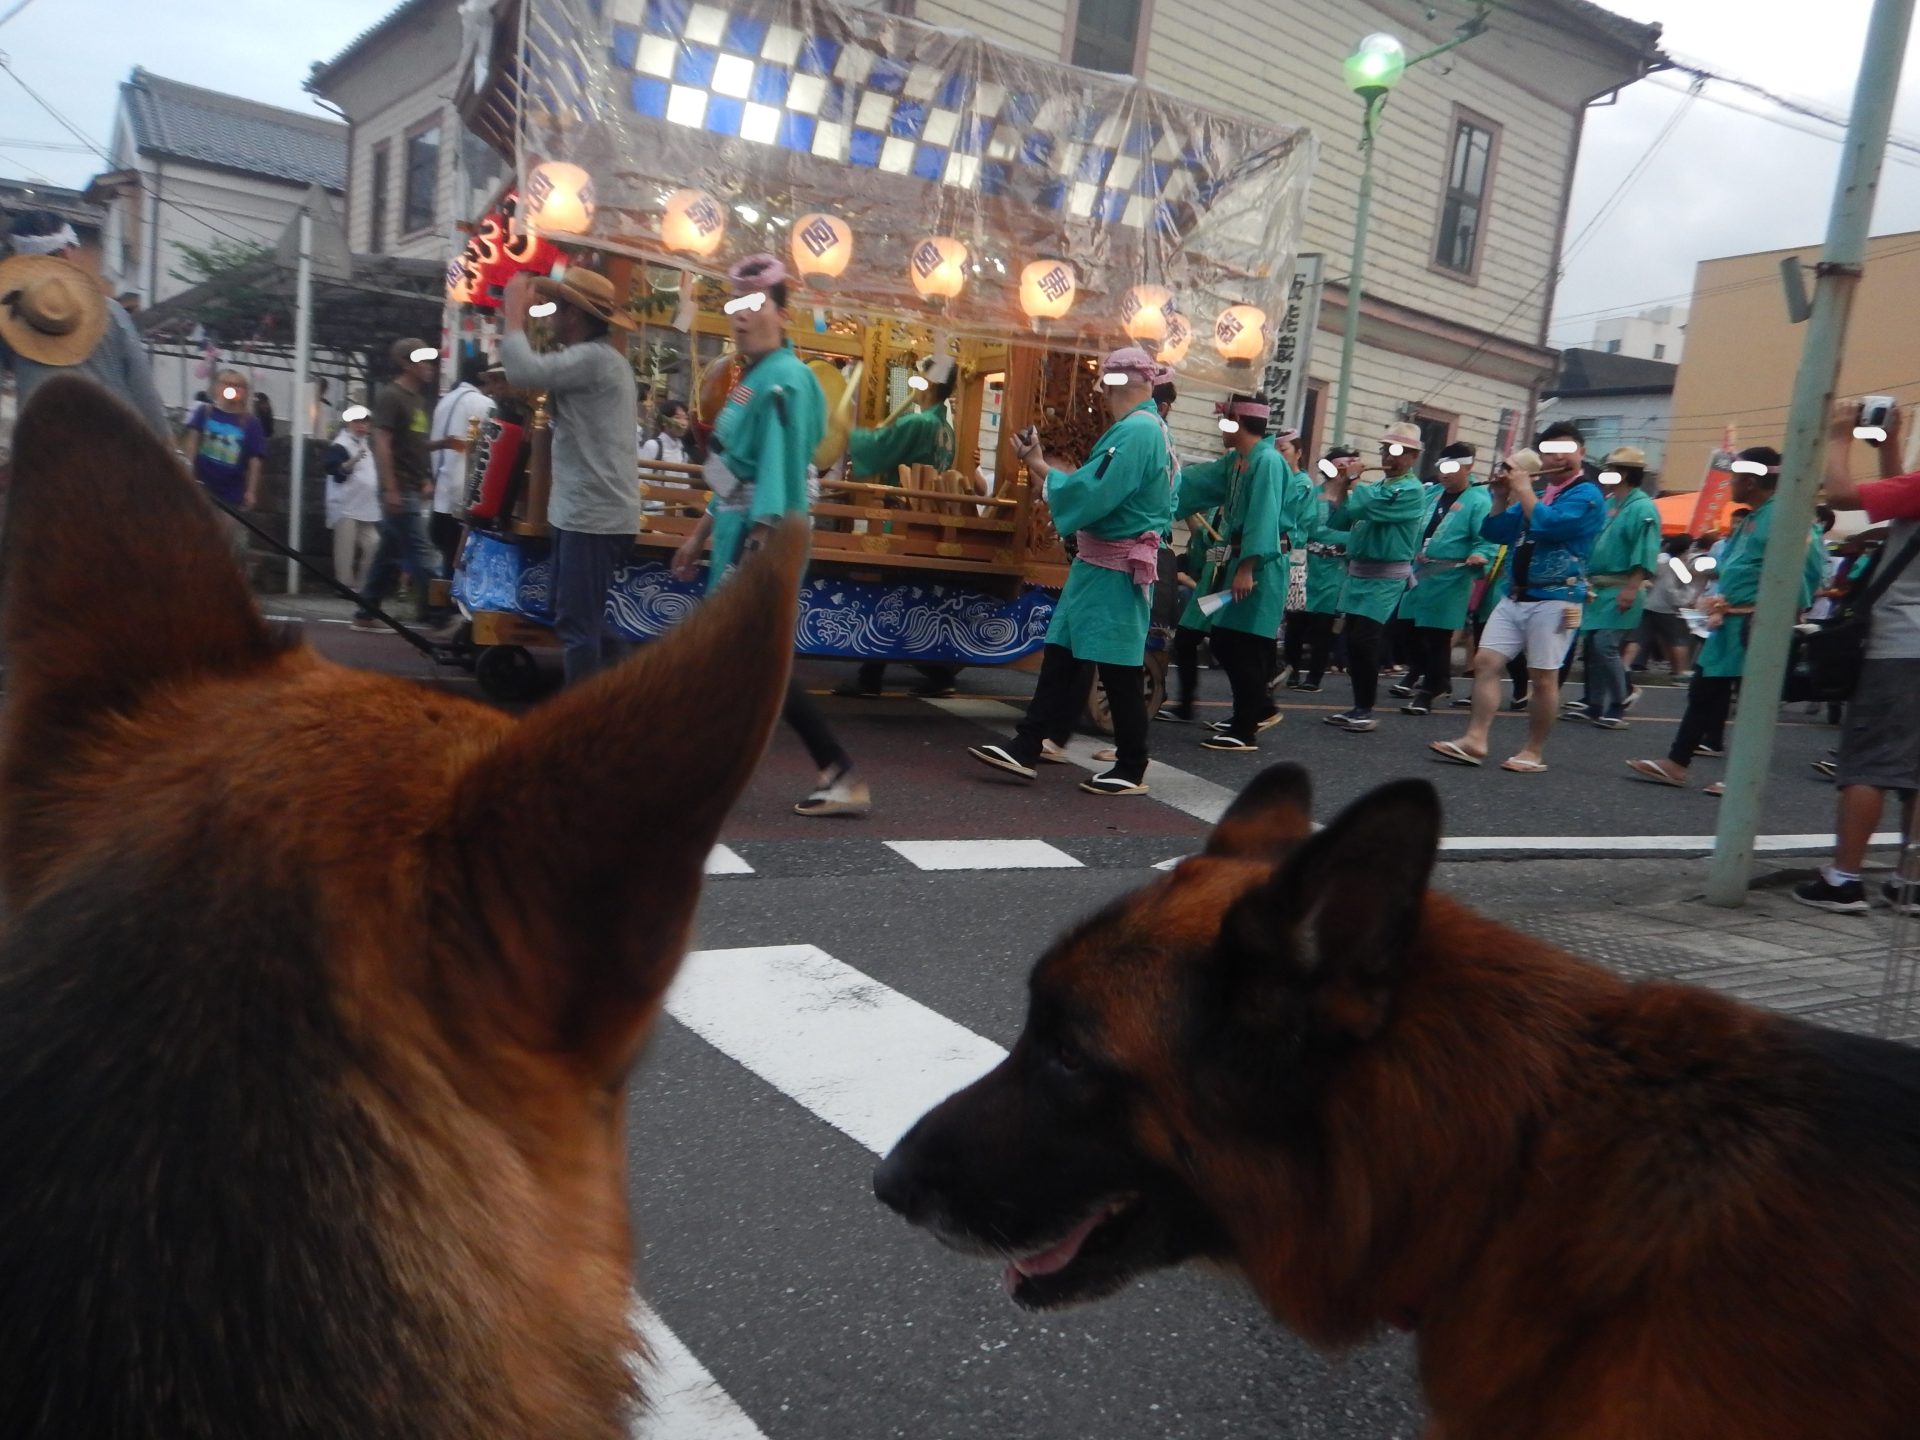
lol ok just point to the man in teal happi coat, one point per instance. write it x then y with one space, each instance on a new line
763 444
1620 573
1729 608
921 435
1310 630
1261 502
1379 523
1117 506
1452 555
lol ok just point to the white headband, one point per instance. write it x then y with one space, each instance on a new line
53 244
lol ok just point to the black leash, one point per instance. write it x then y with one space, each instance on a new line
440 654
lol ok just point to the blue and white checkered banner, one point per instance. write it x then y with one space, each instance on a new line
785 108
846 619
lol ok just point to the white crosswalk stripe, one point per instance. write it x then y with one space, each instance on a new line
983 855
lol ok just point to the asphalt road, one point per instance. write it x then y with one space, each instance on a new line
810 1312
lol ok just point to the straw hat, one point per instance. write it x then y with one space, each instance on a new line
51 310
1403 432
587 290
1626 455
1527 460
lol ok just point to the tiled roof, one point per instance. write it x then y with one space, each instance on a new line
323 71
187 123
1631 33
1589 372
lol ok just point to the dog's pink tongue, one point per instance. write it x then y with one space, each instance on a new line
1061 1255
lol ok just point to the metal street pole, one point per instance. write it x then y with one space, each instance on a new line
1351 334
302 344
1777 606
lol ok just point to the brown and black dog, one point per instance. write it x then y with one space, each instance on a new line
319 989
1609 1211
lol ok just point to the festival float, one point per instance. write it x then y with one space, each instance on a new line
935 195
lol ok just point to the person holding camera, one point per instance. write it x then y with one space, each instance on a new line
1880 742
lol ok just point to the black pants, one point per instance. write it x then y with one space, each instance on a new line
1432 672
1186 663
1399 647
1364 637
1062 690
445 532
1315 642
805 718
1248 661
1709 701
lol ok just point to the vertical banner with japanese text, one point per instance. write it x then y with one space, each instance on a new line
1285 383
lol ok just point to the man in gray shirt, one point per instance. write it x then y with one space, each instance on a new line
595 505
55 320
1880 742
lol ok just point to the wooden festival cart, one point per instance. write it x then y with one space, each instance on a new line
628 123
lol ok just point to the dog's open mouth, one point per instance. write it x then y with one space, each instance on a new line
1092 1259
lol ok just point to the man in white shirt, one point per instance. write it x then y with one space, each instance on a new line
470 400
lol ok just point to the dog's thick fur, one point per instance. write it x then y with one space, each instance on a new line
319 989
1609 1211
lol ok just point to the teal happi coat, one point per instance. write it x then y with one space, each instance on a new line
1326 574
1630 542
1379 523
767 430
1442 582
1257 505
1122 492
920 437
1737 581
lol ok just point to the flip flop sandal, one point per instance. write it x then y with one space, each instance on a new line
1000 759
1106 756
1230 743
1524 767
1716 790
1452 752
1054 754
1113 785
1653 774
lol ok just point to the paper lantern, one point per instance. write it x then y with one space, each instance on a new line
1240 334
694 222
938 267
560 198
822 246
1047 289
1143 313
1179 340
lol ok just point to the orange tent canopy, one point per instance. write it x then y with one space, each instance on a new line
1676 512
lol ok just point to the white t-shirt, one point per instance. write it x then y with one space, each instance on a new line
456 410
358 496
664 446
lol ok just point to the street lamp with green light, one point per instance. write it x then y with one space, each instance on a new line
1372 71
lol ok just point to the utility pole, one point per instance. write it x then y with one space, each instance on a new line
1777 607
302 352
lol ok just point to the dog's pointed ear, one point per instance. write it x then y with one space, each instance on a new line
1336 920
1268 818
118 579
584 836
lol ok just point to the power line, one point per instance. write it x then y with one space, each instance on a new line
14 11
85 139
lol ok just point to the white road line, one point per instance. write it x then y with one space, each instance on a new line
1683 844
685 1402
1190 794
723 861
861 1056
983 855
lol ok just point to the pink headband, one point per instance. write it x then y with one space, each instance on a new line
1245 409
1132 360
757 272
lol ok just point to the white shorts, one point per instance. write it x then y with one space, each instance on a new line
1537 629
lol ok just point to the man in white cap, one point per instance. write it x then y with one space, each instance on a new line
1379 523
55 318
1117 506
763 444
594 509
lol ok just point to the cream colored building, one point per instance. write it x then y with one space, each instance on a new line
1742 352
1474 165
1471 180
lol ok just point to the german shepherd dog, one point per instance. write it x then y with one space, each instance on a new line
1608 1211
319 989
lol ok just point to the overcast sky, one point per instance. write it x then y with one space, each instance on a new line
1722 183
